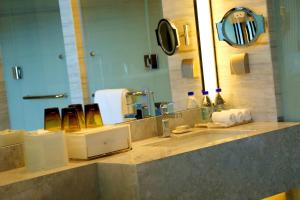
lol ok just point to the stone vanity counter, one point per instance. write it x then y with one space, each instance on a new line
245 162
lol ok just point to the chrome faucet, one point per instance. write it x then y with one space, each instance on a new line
166 116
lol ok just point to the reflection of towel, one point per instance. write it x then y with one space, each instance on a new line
113 105
242 115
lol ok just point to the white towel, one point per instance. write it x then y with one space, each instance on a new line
113 105
239 115
225 117
247 115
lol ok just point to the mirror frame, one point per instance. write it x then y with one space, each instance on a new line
159 40
259 19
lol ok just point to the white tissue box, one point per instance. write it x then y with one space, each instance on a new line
11 137
97 142
44 150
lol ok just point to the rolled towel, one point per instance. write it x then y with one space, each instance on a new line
247 115
225 117
239 115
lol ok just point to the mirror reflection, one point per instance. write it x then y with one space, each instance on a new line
240 27
119 47
167 37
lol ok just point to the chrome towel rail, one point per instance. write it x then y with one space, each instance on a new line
53 96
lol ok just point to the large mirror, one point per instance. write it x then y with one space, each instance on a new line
115 47
31 40
240 27
117 36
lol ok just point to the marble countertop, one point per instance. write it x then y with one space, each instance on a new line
159 148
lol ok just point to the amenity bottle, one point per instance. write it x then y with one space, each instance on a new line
219 101
206 108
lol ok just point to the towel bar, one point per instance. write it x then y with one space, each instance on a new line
54 96
137 93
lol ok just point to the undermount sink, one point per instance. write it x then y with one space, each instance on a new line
200 137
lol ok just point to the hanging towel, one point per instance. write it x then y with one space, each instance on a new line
113 105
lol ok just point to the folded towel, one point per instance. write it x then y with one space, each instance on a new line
113 105
225 117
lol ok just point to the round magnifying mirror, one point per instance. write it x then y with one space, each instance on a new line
167 36
240 27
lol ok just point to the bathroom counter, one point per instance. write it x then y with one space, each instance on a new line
245 162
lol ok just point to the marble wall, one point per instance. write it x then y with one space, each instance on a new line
178 10
256 90
76 72
4 118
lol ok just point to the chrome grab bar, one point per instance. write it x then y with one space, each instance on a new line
54 96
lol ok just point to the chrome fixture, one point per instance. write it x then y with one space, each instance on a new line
166 116
240 27
17 72
53 96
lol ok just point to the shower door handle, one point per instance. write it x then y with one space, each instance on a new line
53 96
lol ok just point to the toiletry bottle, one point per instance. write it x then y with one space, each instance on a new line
219 101
206 107
192 101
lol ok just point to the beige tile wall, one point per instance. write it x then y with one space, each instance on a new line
4 117
257 89
178 10
72 56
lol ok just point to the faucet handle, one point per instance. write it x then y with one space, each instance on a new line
165 107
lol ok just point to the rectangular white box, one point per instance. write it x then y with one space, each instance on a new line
97 142
11 137
44 150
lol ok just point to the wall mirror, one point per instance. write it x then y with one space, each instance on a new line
240 27
167 37
116 34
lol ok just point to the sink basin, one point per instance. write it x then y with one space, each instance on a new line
10 137
202 137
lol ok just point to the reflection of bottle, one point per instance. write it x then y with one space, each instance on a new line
70 121
80 114
93 117
206 107
52 120
192 101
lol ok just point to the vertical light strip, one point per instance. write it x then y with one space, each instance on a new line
207 46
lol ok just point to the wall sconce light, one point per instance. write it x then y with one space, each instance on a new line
206 46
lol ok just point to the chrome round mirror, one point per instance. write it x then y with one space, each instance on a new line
167 37
240 27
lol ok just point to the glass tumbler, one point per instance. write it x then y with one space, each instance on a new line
52 120
93 117
80 114
70 121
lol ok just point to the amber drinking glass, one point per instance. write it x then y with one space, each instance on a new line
93 117
70 121
80 114
52 120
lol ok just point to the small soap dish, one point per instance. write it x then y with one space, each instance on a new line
181 129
